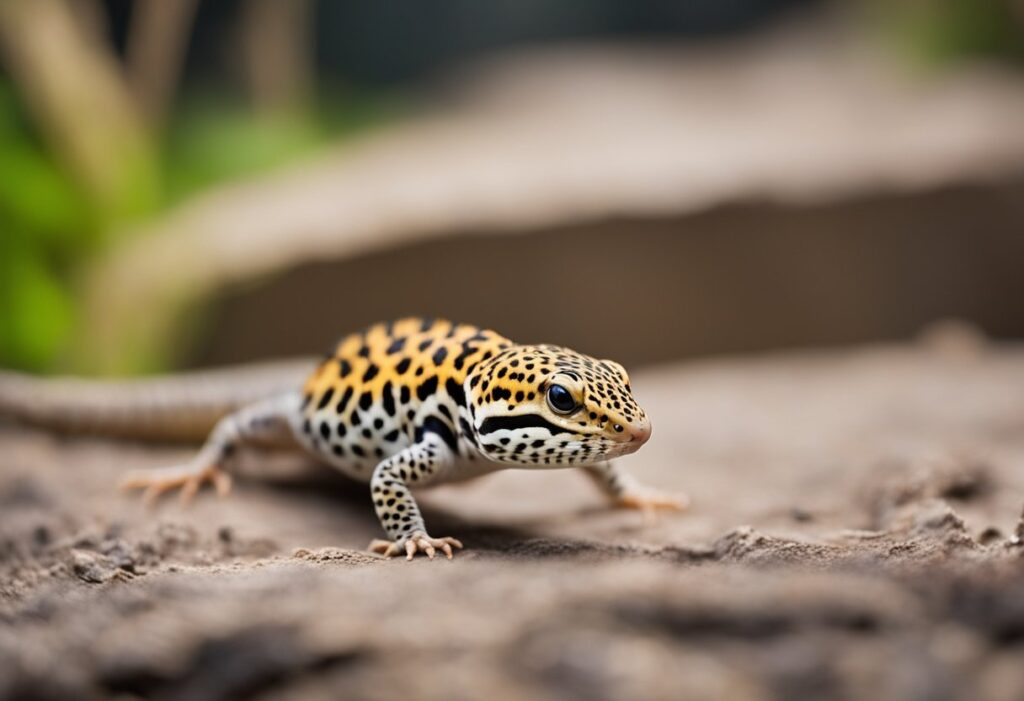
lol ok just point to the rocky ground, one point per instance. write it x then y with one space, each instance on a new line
855 533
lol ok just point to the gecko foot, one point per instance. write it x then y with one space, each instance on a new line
417 542
189 478
648 501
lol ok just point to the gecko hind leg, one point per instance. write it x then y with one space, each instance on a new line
263 422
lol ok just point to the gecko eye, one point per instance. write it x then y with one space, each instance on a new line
560 400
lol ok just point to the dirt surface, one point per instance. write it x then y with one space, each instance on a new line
855 533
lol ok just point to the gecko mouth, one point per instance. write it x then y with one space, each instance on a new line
628 447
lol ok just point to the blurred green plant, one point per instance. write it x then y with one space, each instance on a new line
94 143
46 224
938 31
49 227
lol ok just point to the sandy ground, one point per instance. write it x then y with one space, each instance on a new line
855 533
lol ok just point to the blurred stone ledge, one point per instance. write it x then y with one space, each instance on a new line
566 136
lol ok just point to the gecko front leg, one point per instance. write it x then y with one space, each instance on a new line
625 490
420 463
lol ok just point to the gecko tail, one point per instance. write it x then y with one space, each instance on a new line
176 408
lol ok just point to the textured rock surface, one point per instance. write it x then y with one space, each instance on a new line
855 533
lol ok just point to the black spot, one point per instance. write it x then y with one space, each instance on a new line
425 344
432 424
427 389
344 368
378 424
396 346
392 436
358 450
371 372
338 450
367 433
365 400
389 399
455 391
402 366
460 359
355 419
325 430
404 395
342 429
439 355
343 402
520 396
326 399
364 352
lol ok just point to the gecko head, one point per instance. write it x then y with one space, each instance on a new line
551 406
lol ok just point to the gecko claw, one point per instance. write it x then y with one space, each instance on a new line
417 542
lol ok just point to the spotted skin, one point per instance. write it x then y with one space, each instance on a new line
385 389
418 402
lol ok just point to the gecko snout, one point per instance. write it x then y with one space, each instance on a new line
635 434
640 432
